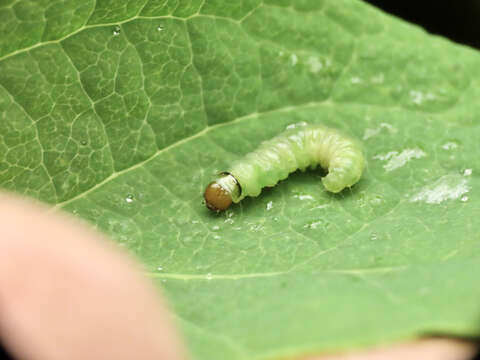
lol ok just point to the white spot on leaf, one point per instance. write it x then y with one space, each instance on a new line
396 160
448 187
419 97
378 79
449 146
313 225
314 64
303 197
293 59
374 132
269 205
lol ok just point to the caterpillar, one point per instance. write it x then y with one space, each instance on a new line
296 148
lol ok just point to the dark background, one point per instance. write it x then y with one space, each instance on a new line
458 20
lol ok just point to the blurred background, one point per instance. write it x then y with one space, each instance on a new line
456 20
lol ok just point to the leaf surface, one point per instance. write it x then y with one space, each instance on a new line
122 112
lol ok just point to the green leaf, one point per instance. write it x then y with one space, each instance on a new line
122 112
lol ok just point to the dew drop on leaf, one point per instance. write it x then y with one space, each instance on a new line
83 142
160 27
116 31
129 198
269 205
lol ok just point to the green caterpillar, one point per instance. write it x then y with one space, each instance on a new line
274 159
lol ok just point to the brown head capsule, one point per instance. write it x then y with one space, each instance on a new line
216 197
220 193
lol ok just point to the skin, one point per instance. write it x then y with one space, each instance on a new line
67 293
424 349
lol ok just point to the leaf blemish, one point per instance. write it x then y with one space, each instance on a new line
374 132
293 59
314 64
449 146
448 187
397 160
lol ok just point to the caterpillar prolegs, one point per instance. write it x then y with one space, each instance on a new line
297 148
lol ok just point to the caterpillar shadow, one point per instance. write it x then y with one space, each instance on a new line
297 184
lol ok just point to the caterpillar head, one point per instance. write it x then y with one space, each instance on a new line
220 193
216 197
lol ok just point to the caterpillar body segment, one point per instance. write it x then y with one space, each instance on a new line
298 148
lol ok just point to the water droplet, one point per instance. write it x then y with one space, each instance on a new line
313 225
209 276
373 236
160 27
467 172
215 228
116 31
464 198
217 237
269 205
295 125
83 142
159 268
129 198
